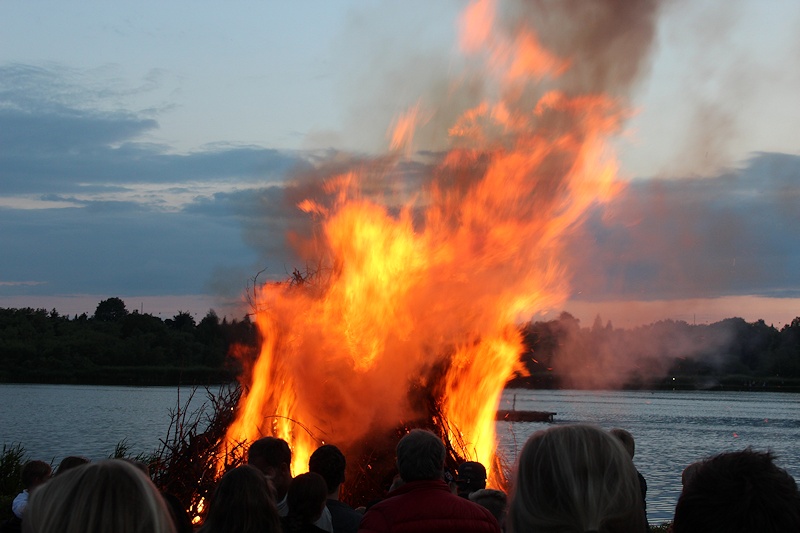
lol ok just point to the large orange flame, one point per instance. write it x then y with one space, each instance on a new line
441 281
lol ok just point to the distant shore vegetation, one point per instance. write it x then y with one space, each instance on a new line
118 347
115 346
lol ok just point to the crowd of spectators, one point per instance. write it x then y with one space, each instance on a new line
568 478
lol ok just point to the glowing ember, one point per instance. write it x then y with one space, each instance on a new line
430 291
197 514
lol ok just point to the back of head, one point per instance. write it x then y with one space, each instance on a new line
270 450
471 477
273 457
35 473
329 462
738 491
495 501
306 497
420 456
70 462
626 439
575 478
96 498
243 503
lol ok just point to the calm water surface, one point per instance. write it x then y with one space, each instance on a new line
672 428
54 421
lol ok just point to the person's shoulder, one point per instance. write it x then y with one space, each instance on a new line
338 508
345 518
476 511
337 504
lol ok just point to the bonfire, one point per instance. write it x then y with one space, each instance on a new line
422 263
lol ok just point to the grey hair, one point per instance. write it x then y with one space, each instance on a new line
575 478
420 456
98 497
494 500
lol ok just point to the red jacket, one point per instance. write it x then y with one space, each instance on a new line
427 506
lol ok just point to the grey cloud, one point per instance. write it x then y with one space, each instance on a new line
732 234
113 248
59 133
57 144
50 141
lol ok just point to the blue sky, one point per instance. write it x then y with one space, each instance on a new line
144 147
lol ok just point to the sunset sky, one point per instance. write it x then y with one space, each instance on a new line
144 147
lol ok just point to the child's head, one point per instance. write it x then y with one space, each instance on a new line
34 473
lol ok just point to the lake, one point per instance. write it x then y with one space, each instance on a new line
672 428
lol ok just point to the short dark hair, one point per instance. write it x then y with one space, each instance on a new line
471 477
329 462
306 497
738 491
71 461
34 472
420 456
272 450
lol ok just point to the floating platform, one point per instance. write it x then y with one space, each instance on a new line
525 416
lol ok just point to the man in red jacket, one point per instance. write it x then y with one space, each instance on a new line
424 503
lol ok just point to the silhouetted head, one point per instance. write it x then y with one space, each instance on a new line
306 497
242 502
471 477
70 462
34 473
575 478
273 458
420 456
329 462
738 492
626 439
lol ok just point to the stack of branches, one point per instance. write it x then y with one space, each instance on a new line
191 458
371 465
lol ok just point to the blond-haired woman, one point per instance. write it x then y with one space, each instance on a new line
103 497
575 478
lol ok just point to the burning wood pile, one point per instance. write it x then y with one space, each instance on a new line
193 456
186 465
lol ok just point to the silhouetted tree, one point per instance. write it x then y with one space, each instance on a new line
183 321
110 310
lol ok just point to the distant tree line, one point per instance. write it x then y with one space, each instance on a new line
730 354
116 346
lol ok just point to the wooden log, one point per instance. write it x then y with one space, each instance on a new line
525 416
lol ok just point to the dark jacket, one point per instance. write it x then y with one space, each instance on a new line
345 519
427 507
291 525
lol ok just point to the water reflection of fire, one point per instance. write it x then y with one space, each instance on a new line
428 292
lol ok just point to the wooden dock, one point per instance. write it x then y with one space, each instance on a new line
525 416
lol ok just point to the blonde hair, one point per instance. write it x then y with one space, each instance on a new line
575 478
103 497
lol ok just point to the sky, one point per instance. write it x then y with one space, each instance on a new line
145 147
